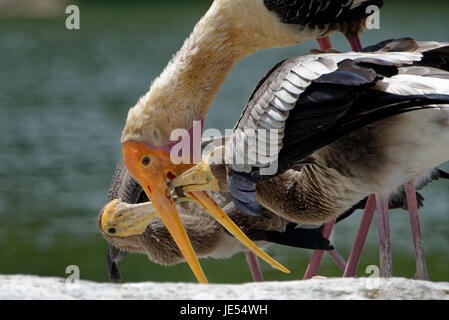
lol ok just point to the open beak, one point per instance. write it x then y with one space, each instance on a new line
209 204
151 168
198 179
165 206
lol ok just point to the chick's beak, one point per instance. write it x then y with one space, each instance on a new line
197 178
151 168
120 219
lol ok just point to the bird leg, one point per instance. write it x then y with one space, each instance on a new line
386 262
341 263
325 43
421 269
114 256
254 267
355 43
360 239
317 256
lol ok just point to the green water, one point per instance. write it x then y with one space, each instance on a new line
64 96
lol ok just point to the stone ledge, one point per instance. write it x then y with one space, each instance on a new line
33 287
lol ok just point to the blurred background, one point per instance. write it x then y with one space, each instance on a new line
64 96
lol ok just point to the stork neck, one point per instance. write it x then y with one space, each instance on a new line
193 77
183 93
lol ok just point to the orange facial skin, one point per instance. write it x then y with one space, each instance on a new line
151 168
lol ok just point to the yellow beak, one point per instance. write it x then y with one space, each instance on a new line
152 169
121 219
152 175
209 204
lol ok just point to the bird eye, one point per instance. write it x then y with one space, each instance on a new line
111 230
146 161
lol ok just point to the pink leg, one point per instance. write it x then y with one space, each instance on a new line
317 256
254 266
325 43
386 262
341 263
421 269
355 43
360 239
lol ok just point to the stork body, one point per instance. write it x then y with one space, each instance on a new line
337 119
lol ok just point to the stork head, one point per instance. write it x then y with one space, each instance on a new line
152 168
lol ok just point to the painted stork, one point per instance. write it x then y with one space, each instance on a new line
182 94
346 118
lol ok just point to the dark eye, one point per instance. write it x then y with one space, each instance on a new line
145 161
111 230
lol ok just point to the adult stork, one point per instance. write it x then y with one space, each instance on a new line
183 93
129 223
347 119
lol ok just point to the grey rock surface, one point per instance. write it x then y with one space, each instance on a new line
33 287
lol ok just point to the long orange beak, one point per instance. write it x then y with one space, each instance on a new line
151 168
209 204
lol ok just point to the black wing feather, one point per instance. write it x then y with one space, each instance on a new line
319 12
299 238
339 103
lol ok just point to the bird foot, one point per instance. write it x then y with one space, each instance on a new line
421 276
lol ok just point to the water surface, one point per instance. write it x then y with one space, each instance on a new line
64 96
